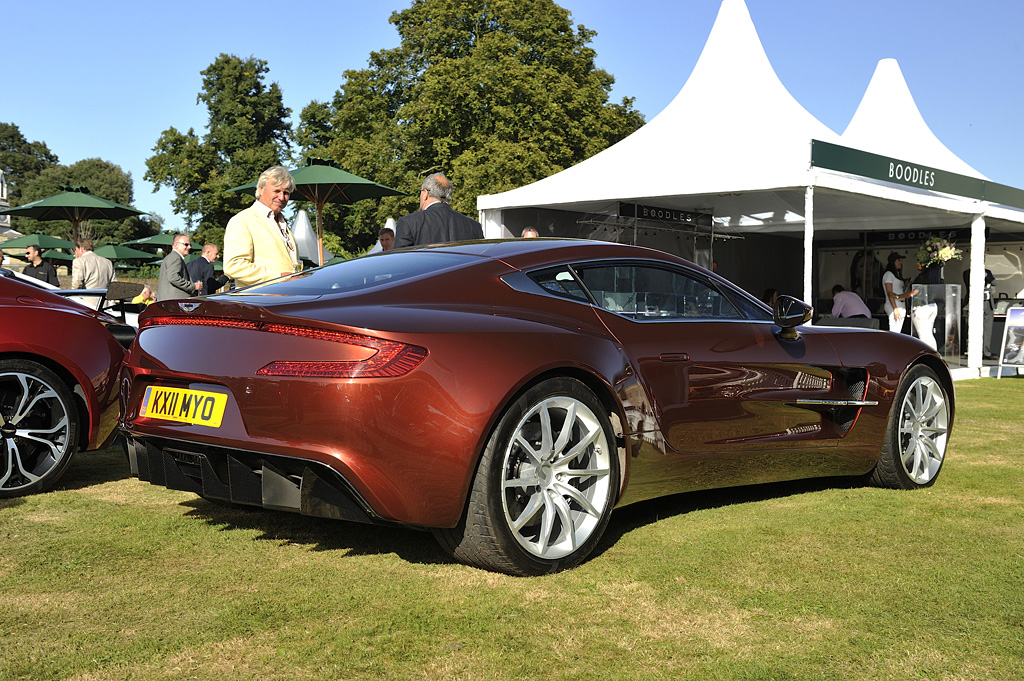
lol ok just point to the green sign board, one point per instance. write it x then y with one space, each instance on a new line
857 162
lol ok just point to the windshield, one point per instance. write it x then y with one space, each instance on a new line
359 274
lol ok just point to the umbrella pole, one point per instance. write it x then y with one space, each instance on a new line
319 235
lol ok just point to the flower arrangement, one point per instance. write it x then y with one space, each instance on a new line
937 250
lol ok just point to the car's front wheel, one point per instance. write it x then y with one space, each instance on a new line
38 427
545 486
918 431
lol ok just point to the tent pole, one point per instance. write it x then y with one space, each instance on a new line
976 295
808 240
864 269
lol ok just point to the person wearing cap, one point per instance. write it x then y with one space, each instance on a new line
892 282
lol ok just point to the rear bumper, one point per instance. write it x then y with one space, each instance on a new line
250 478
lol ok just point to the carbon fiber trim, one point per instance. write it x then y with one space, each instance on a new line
250 478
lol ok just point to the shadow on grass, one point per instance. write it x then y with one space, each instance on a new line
644 513
420 547
96 468
321 534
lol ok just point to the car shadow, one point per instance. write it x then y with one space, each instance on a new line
625 520
96 468
419 547
321 534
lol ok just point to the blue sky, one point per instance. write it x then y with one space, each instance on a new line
104 79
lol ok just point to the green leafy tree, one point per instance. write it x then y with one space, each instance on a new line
494 93
103 179
21 160
247 132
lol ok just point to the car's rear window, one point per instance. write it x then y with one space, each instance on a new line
359 274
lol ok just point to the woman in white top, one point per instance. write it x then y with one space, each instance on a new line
892 282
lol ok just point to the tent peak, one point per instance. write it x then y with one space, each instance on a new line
888 122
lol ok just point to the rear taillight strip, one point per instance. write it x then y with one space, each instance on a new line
390 360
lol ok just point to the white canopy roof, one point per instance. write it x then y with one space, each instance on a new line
732 128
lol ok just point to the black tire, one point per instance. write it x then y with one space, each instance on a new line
543 492
917 434
39 427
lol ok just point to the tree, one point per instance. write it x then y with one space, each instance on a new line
495 93
247 132
21 160
103 179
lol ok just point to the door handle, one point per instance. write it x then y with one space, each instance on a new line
674 357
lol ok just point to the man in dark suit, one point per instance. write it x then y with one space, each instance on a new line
435 222
201 270
174 281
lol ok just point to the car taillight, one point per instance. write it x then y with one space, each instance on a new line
389 359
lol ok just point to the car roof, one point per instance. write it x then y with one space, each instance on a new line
538 252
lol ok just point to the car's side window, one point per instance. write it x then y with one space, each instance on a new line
561 282
640 292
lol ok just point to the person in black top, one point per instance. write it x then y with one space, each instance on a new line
201 269
39 268
435 222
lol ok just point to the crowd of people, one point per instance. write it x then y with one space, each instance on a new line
259 245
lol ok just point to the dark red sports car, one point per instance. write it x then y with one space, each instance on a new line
59 365
509 394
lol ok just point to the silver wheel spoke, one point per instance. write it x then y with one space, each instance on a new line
567 427
529 513
575 495
16 458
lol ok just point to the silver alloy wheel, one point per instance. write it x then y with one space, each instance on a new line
37 431
556 477
923 429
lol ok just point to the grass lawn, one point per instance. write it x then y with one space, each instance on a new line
112 578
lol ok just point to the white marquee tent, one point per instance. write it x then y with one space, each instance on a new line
761 163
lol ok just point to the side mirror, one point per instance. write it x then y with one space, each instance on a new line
789 313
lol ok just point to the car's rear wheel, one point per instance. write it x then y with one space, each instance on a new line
545 486
38 427
918 431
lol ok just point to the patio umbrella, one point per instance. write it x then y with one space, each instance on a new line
40 241
56 255
161 239
74 204
323 182
112 252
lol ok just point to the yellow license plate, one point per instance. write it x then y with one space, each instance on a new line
188 406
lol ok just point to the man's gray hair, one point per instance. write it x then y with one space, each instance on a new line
275 175
438 187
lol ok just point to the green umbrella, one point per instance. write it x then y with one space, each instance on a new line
161 239
112 252
74 204
40 241
323 182
56 255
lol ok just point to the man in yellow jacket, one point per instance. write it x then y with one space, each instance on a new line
258 245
